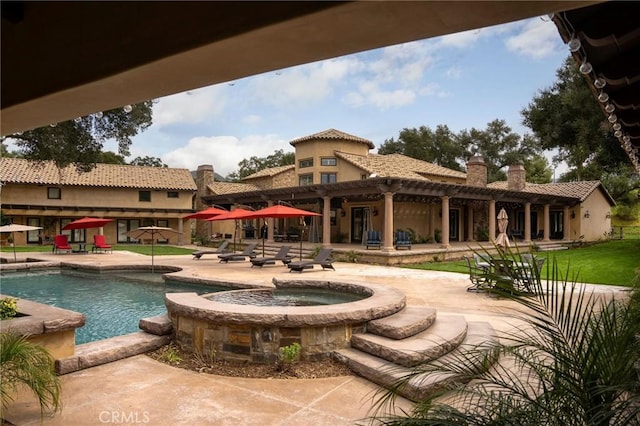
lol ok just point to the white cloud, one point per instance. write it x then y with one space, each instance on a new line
537 39
463 39
191 107
223 152
453 73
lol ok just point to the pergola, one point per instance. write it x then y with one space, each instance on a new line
398 189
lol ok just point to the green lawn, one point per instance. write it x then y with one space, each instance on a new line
158 249
614 262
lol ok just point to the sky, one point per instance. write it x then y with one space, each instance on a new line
461 80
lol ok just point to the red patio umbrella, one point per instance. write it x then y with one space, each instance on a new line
206 213
236 215
280 211
86 222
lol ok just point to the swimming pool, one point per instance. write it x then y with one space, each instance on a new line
113 302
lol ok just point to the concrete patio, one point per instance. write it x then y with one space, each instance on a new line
141 390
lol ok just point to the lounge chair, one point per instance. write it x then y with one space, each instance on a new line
248 252
60 244
282 256
322 259
403 240
100 244
373 239
222 248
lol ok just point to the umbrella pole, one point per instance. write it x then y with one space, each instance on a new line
153 240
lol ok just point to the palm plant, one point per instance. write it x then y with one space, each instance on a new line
572 360
26 363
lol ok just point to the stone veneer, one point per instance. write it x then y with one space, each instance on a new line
516 178
255 333
477 172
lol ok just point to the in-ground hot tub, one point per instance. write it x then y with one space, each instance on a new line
239 331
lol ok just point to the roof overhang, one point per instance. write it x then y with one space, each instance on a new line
62 60
374 188
606 36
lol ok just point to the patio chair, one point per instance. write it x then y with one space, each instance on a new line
481 262
60 244
222 248
100 244
373 239
248 252
282 255
322 259
403 240
478 275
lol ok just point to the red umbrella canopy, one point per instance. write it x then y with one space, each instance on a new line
87 222
234 214
280 211
206 213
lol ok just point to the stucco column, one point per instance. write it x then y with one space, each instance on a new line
470 224
180 230
387 242
270 222
527 222
566 224
546 223
445 221
492 220
326 221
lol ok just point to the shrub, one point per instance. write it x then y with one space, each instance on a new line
8 308
289 355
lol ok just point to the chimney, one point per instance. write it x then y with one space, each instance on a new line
204 177
477 172
516 178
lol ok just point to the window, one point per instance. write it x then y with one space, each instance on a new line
329 161
144 196
363 176
328 177
54 193
307 162
173 194
306 179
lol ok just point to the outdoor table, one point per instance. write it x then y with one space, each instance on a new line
82 248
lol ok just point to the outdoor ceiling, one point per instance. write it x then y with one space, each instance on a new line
605 40
61 60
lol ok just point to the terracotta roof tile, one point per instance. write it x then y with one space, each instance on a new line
223 188
332 135
18 170
271 171
400 166
579 190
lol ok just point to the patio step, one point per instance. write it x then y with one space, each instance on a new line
480 335
408 322
444 335
108 350
553 247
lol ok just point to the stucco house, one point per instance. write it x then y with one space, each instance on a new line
355 190
40 194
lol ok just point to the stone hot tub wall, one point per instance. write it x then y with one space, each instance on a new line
255 333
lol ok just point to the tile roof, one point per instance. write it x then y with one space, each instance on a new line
333 135
579 190
223 188
271 171
21 171
398 165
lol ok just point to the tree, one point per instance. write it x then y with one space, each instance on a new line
537 169
499 146
566 117
148 161
254 164
80 141
110 157
440 147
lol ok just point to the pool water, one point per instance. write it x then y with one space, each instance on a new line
113 303
286 297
